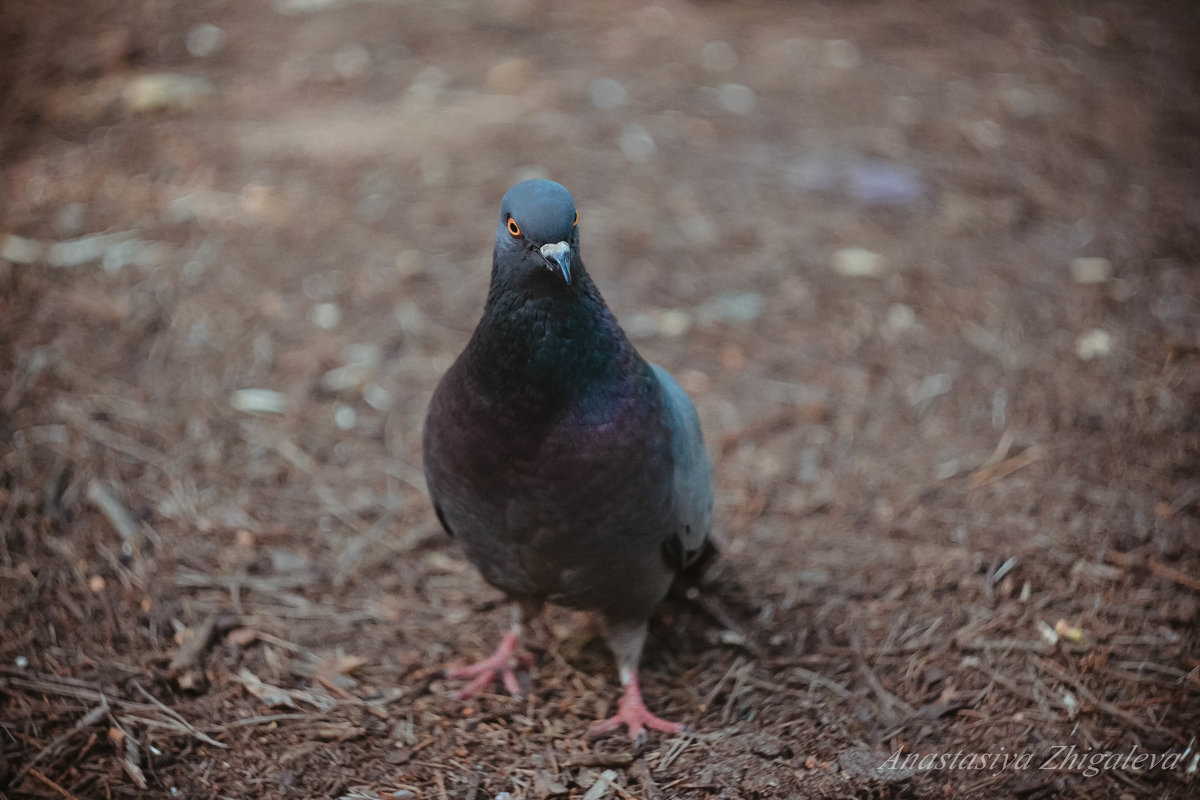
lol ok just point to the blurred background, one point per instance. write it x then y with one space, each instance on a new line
929 272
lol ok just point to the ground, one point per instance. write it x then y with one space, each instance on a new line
929 272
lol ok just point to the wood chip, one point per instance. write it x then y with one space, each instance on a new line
185 668
603 786
620 759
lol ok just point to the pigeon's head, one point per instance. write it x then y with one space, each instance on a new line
538 229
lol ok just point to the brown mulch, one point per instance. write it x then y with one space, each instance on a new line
958 497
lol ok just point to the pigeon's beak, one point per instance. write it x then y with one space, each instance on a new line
558 259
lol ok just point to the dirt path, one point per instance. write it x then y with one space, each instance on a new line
929 273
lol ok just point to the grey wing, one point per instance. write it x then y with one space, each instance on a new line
693 478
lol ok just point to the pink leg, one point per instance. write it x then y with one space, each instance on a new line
632 713
500 665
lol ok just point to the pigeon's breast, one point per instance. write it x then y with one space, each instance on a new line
571 505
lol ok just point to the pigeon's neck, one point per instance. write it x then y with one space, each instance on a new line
544 343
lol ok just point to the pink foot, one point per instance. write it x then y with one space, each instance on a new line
632 713
499 665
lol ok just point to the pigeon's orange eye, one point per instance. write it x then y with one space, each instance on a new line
513 227
576 222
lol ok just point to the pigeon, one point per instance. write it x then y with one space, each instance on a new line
569 469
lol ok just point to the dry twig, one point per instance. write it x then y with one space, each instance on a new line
1089 697
180 723
621 759
86 721
982 477
37 774
1172 574
116 514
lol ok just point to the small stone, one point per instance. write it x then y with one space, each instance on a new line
718 56
699 231
1020 101
731 357
930 387
264 202
641 325
607 93
810 465
165 91
768 746
899 319
946 470
694 382
659 322
345 417
377 397
736 98
674 323
351 61
858 262
204 40
304 6
733 307
373 208
872 181
285 560
321 284
49 434
1094 344
411 318
69 220
359 362
1091 270
85 249
346 377
510 76
259 401
603 786
985 134
132 251
1048 634
430 82
367 354
842 54
19 250
326 316
637 144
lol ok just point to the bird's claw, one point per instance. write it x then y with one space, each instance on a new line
500 665
633 714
